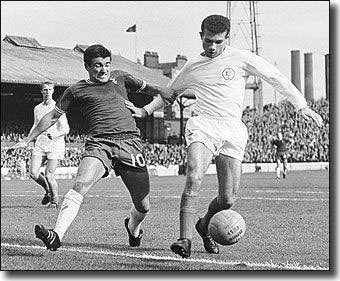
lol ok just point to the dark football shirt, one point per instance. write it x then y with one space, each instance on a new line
281 145
102 104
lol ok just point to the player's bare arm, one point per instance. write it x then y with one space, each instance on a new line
46 122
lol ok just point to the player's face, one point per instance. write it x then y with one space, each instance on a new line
99 70
213 44
47 92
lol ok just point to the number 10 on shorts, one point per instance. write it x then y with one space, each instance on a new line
139 159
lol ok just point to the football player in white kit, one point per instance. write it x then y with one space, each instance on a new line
49 147
217 78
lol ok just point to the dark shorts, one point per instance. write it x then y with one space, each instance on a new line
119 153
281 156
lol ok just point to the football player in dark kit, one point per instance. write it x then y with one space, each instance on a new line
281 154
113 141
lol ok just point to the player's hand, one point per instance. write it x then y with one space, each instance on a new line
136 111
168 95
21 144
308 114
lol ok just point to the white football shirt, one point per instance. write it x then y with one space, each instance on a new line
59 128
219 83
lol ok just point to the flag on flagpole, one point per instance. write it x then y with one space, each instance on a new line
131 28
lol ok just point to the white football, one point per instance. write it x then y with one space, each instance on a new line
227 227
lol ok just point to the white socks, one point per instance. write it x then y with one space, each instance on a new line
70 207
135 221
278 172
68 211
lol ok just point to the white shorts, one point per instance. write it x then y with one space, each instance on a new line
220 135
53 152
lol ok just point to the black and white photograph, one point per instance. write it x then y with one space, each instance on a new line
167 136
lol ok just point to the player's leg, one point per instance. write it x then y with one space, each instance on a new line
285 165
138 184
39 178
53 156
229 176
90 171
199 159
50 177
36 162
134 173
277 169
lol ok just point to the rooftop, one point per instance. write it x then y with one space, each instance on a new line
25 61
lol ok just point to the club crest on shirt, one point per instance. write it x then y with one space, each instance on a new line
228 73
113 80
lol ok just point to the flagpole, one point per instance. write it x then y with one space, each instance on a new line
133 29
275 64
136 43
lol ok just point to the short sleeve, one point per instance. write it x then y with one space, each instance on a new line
64 101
133 84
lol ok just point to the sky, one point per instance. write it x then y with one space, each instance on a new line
171 28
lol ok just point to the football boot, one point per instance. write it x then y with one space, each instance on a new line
46 199
133 241
48 236
209 244
182 247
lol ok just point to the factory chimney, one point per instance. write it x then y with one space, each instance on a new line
309 88
295 69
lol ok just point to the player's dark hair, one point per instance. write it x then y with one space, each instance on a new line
96 51
216 24
46 83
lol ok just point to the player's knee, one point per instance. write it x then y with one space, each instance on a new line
193 183
82 187
34 175
49 176
142 208
142 204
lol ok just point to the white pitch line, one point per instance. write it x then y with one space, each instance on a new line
285 199
177 197
269 265
292 191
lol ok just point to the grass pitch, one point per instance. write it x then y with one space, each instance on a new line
287 227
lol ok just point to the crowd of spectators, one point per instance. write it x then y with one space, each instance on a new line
164 154
308 143
16 131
